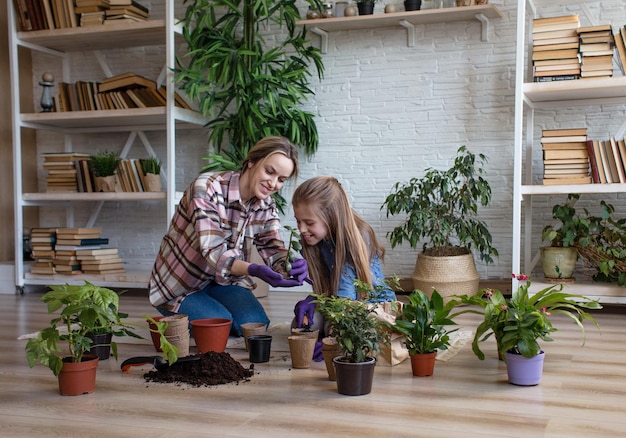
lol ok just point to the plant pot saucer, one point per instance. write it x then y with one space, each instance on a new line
559 280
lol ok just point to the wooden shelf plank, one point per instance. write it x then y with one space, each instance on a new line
92 196
111 120
426 16
603 292
117 35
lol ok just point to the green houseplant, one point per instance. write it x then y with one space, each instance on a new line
151 167
65 343
441 207
423 321
359 334
559 259
247 88
103 166
520 322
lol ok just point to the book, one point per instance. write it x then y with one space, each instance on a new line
555 54
95 251
555 78
594 29
125 80
595 47
100 268
77 247
567 39
574 71
597 73
565 153
83 242
97 257
565 145
619 165
102 261
48 270
606 166
540 25
108 271
79 230
564 139
563 132
593 162
571 66
567 181
566 164
556 46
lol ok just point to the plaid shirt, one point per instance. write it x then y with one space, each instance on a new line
212 228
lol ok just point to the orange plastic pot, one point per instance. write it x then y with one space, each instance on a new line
211 334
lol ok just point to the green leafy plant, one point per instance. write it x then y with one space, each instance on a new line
518 323
354 324
104 163
572 229
248 88
151 165
84 309
423 322
442 207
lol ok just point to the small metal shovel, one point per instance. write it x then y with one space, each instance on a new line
157 361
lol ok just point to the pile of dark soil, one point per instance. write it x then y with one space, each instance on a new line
211 369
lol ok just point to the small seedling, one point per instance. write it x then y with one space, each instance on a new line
294 246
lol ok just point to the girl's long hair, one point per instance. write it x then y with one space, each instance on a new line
353 238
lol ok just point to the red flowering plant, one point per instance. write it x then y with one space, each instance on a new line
519 322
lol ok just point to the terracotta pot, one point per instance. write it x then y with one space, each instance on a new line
156 337
101 345
211 334
423 365
301 349
524 371
78 378
354 378
252 329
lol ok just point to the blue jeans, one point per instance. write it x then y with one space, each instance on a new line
216 301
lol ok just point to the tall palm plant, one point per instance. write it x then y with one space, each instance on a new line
248 87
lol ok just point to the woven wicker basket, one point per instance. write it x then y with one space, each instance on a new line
454 275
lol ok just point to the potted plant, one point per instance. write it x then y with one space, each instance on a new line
365 7
442 208
518 324
559 259
247 90
359 334
103 165
151 167
84 309
423 322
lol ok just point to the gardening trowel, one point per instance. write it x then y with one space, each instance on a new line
158 362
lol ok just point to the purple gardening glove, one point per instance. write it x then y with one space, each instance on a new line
304 308
318 356
300 271
272 277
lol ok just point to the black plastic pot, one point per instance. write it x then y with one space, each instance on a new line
365 7
354 378
412 5
259 348
101 345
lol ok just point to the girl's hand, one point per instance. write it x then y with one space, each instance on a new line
300 271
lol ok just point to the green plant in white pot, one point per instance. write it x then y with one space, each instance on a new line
441 207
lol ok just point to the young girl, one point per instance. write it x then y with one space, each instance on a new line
338 245
202 268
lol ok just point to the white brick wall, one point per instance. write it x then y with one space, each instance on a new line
385 113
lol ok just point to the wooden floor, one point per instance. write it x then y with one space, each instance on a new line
582 394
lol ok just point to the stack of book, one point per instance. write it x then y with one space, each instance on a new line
596 50
608 160
100 261
61 170
68 241
565 156
555 48
125 10
42 242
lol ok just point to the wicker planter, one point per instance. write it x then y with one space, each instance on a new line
453 275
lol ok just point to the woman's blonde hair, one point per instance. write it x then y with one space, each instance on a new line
269 146
353 238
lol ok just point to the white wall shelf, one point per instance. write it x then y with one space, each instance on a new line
532 96
62 43
405 19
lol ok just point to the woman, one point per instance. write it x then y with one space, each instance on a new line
202 268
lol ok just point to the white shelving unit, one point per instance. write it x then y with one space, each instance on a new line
531 97
405 19
62 43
